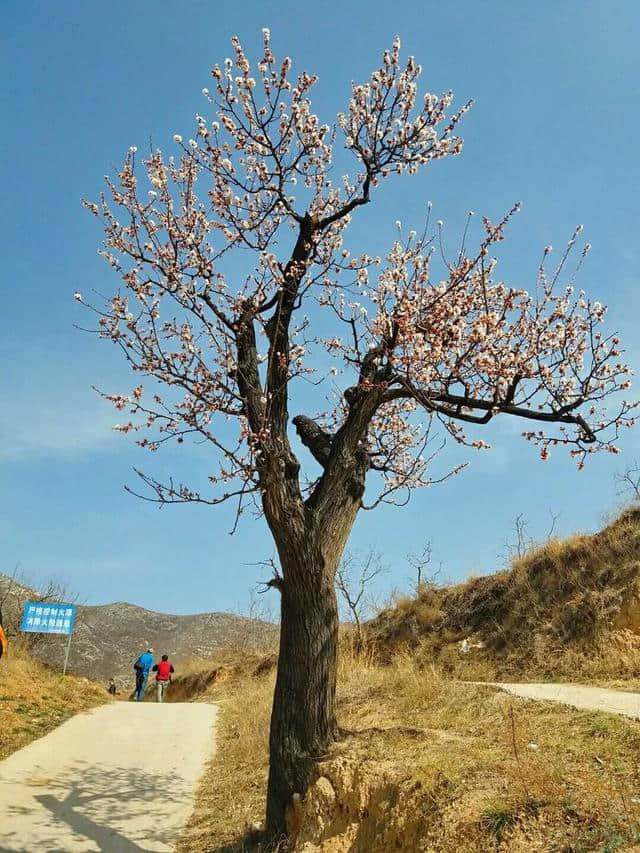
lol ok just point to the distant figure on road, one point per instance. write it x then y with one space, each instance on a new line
142 667
112 687
163 672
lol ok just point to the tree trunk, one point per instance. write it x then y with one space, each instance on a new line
303 722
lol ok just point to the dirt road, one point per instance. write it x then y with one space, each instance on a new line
578 696
120 778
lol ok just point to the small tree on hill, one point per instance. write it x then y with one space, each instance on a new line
238 290
629 482
354 579
420 563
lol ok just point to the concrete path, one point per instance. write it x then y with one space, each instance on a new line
576 695
120 778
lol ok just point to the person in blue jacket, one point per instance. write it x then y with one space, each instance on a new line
142 668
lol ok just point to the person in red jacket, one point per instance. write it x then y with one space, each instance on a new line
163 671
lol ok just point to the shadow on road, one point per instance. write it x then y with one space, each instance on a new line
99 805
105 838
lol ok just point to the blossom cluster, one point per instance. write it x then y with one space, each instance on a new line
220 349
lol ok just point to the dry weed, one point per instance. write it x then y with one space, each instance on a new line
230 800
495 772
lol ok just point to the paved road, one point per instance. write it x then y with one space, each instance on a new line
576 695
120 779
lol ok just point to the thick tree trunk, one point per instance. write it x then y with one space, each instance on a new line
310 537
303 723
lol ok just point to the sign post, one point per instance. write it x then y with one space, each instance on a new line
40 617
66 656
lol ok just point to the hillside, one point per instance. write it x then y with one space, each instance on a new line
108 638
570 608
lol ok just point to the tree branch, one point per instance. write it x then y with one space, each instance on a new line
434 403
314 438
277 328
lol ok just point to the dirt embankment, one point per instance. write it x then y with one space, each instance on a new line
355 808
189 687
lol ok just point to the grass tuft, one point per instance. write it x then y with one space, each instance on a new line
497 819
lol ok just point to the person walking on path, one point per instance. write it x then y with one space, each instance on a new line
142 667
163 671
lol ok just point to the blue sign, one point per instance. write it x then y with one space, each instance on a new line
42 618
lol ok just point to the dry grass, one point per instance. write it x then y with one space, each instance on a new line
568 609
198 678
492 766
231 795
495 772
34 699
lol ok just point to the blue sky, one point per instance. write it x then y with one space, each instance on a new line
555 124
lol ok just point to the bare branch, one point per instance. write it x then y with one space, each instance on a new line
276 581
420 563
629 482
554 518
354 578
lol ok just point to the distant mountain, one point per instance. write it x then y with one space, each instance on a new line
108 638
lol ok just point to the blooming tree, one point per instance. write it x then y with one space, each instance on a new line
237 289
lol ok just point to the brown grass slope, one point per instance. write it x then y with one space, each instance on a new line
35 699
568 609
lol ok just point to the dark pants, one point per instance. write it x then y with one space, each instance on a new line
141 684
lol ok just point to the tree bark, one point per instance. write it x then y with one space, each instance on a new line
310 537
303 722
